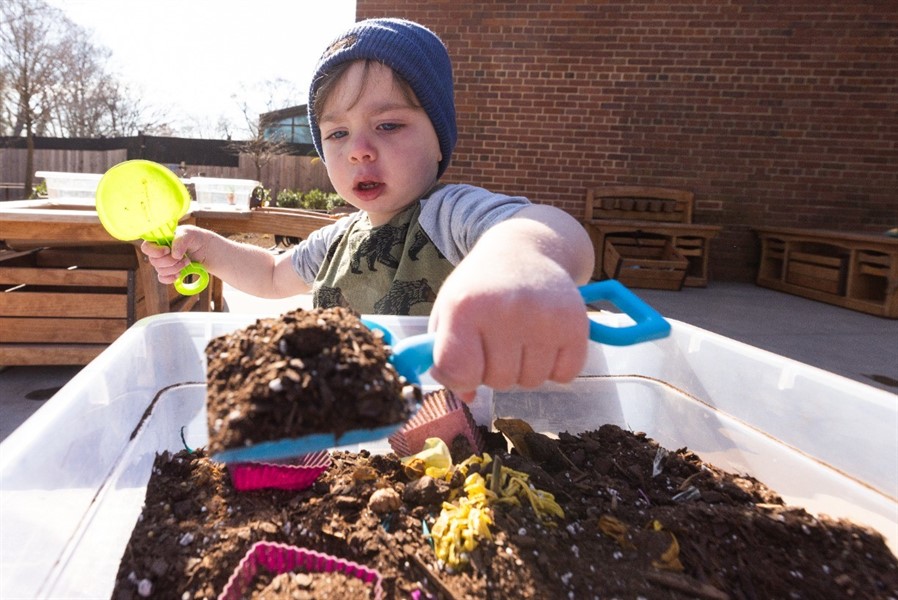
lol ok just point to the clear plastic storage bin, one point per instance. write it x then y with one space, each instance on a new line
73 477
214 193
70 185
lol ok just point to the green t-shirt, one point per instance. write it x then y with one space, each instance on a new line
393 269
399 267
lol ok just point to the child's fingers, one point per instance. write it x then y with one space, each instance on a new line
167 267
458 360
537 366
568 364
509 356
153 250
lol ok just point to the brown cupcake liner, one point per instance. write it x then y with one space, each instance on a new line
292 474
281 558
442 415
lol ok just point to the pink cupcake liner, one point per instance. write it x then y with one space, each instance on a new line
441 415
293 474
281 558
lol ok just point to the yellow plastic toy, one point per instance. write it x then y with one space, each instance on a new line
141 199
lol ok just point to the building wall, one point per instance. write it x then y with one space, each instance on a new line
773 113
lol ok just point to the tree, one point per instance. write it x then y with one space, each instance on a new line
32 46
80 101
261 149
125 115
55 81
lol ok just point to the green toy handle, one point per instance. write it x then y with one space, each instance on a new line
192 280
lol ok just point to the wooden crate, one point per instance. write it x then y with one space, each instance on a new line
644 262
817 271
65 305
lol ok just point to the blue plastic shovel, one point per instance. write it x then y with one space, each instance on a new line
413 356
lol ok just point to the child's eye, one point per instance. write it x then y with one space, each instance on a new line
336 135
390 126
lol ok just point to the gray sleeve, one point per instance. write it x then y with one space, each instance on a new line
455 216
309 254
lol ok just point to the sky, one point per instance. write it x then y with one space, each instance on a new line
188 58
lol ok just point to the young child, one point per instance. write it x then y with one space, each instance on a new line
497 275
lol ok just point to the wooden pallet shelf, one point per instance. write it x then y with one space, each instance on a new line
68 289
65 305
644 262
856 271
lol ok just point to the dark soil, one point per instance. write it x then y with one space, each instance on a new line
307 586
688 532
638 521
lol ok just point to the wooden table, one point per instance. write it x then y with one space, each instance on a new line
854 270
289 222
68 288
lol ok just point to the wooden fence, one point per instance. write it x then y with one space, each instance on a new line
283 172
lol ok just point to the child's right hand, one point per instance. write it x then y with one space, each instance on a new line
508 328
188 244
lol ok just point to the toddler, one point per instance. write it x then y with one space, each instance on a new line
497 274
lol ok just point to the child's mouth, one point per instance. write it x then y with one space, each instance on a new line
365 186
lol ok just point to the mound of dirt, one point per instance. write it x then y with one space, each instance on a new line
307 371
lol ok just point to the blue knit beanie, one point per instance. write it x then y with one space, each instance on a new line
412 51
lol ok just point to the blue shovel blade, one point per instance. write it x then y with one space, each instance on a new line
307 444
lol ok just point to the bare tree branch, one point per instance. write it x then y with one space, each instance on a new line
260 148
31 47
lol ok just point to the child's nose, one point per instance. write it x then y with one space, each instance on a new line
362 149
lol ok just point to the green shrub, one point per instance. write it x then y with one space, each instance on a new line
311 200
334 200
289 199
315 200
39 191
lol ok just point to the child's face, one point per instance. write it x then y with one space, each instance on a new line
381 151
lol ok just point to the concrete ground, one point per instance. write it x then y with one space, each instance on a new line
852 344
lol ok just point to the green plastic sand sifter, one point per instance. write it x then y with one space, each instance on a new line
140 199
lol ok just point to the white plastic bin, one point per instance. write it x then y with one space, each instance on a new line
73 477
215 193
70 185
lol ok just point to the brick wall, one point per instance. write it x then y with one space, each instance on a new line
773 113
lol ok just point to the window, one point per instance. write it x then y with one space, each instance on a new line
289 124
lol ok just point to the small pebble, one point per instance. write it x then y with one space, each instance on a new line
384 500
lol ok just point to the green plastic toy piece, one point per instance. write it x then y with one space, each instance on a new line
141 199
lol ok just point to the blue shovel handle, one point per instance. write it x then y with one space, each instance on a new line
413 355
650 325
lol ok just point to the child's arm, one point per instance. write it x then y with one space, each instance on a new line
511 312
246 267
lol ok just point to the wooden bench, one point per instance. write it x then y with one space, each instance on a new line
852 270
645 237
